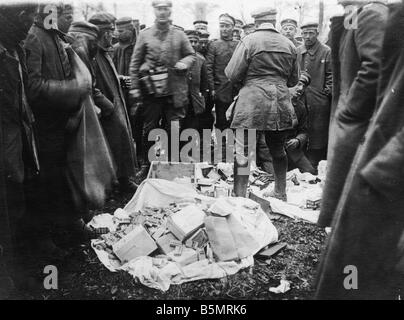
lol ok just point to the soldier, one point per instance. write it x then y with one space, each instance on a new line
238 28
297 139
203 42
161 52
315 59
111 101
201 25
289 30
357 56
18 156
198 85
124 48
123 51
267 64
367 209
248 28
54 93
219 54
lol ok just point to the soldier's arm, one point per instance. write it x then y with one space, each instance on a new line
238 64
295 74
138 56
187 52
210 62
100 100
328 73
204 78
369 41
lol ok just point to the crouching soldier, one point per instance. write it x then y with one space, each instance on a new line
296 142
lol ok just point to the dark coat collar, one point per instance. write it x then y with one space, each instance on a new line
313 50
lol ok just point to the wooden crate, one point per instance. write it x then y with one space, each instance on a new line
171 170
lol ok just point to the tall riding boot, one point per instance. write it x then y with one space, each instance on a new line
280 168
241 175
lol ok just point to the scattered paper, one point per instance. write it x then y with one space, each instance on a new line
282 288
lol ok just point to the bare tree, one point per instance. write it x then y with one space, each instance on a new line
200 9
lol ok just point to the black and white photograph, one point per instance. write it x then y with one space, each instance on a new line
213 152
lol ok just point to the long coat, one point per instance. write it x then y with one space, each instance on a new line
17 143
116 125
369 220
122 56
359 63
267 63
156 47
198 84
316 61
217 58
53 99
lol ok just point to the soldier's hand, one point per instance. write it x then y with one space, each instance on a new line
127 81
135 94
180 66
292 144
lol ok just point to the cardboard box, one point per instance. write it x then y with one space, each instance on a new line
198 240
186 221
137 243
164 243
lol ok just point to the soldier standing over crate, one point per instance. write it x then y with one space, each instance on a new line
267 63
161 59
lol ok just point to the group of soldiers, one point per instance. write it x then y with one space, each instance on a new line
61 81
161 77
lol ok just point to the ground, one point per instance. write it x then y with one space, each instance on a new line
84 277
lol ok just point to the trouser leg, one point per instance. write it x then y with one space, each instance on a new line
152 112
304 165
276 144
174 123
221 121
316 155
137 130
264 159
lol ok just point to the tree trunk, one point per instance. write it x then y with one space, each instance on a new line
321 16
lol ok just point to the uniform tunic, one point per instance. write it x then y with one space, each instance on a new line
268 63
316 61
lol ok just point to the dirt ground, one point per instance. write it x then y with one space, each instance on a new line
83 277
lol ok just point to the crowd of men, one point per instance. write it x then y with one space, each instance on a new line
56 77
